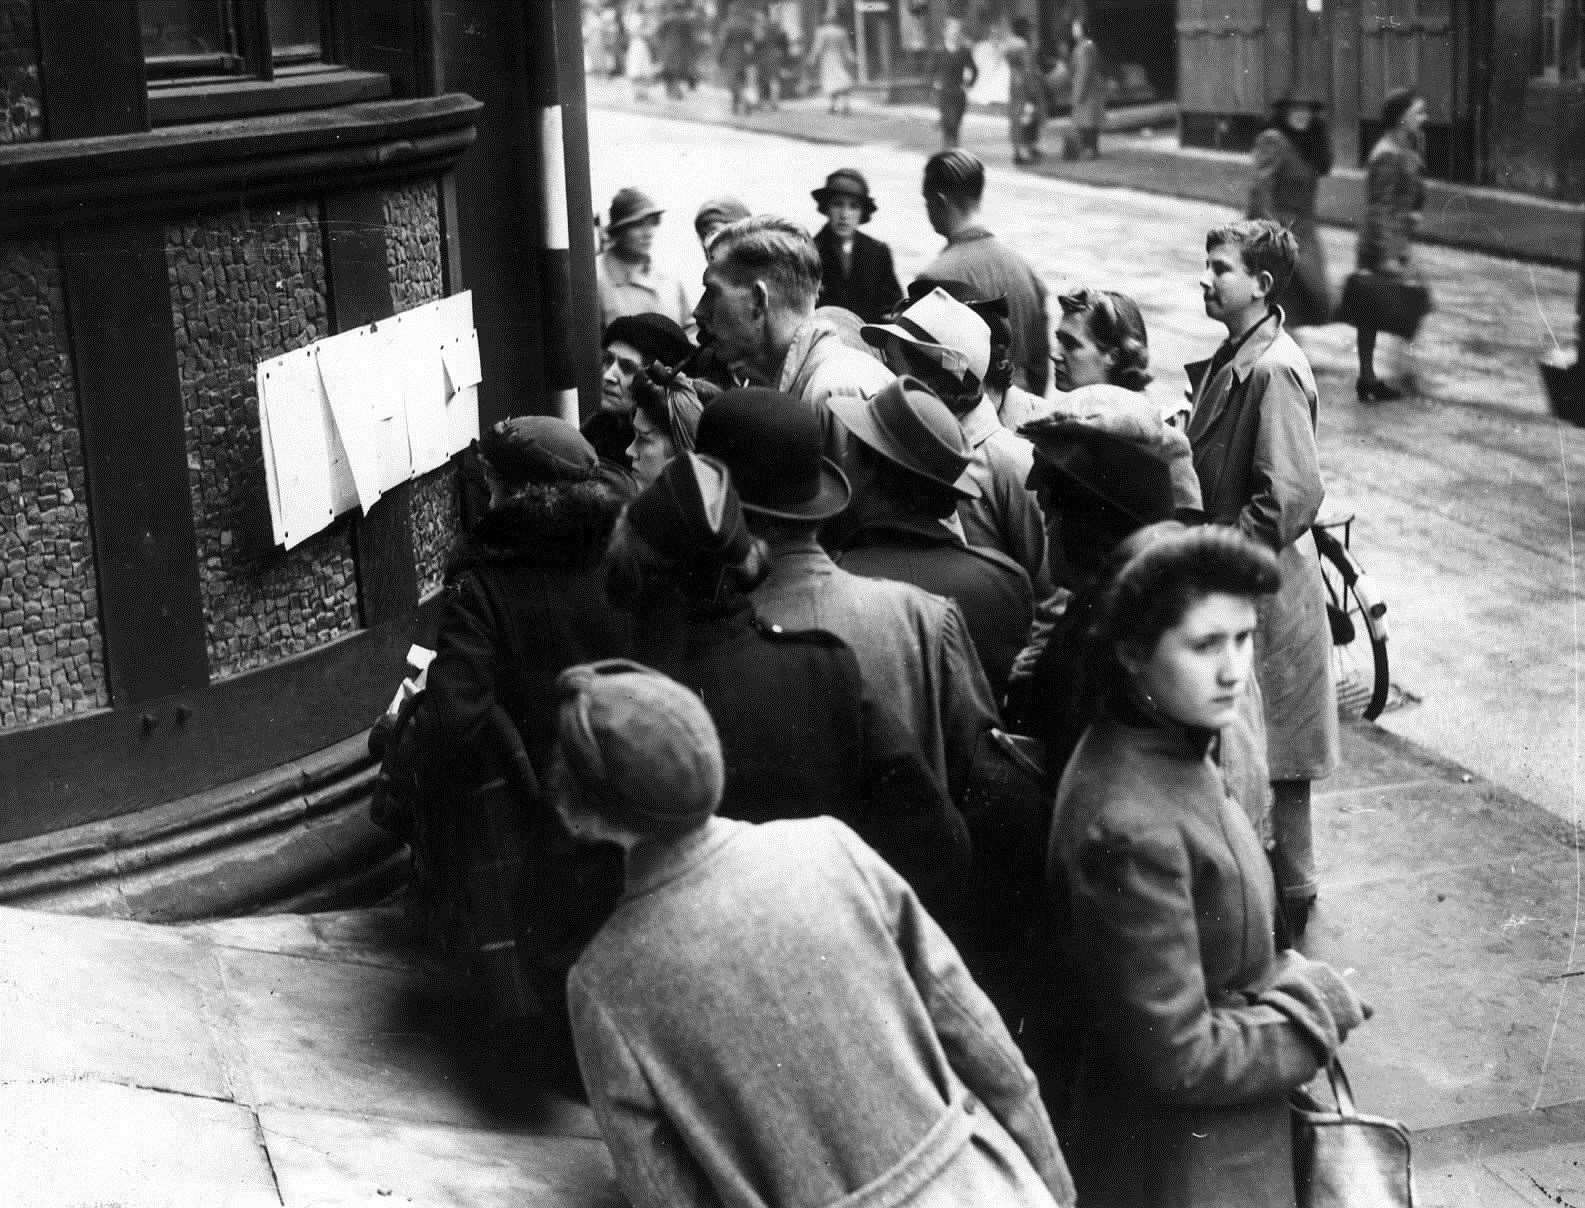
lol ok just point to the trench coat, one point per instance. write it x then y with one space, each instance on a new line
1089 86
1252 429
1283 190
1183 1078
771 1020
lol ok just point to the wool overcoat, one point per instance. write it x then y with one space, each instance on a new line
869 288
1252 429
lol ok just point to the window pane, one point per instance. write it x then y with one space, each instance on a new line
184 27
295 30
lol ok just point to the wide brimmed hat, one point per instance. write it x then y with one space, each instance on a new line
538 448
655 336
1121 473
849 183
772 444
630 206
950 332
911 428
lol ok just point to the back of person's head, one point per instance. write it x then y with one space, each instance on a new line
545 485
943 342
773 445
635 749
957 175
912 448
718 212
685 534
1264 245
777 251
1114 322
1397 103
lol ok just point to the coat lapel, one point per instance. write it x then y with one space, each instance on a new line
1211 395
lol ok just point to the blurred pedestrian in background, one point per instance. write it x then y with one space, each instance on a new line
856 270
1026 94
1394 198
674 39
1089 91
951 76
1197 1028
1290 156
818 1040
627 280
832 61
638 61
735 55
771 48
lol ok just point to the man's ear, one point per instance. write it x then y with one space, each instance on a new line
760 306
1263 283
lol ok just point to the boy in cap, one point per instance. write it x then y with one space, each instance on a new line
770 1015
856 270
626 279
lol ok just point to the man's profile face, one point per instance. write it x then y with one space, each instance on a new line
732 314
1227 285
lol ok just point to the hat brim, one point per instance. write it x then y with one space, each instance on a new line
831 499
954 360
823 196
651 212
856 417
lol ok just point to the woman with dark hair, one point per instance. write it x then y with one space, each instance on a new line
1197 1027
1394 197
770 1016
1290 156
800 737
666 411
524 598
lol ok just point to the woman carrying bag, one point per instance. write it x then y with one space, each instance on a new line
1394 197
1198 1027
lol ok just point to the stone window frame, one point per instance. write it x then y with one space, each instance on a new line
253 74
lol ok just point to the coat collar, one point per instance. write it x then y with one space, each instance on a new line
1211 393
655 864
969 234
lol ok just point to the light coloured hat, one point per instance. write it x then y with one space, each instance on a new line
951 333
910 427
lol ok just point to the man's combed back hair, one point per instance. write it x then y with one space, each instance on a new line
777 251
955 174
1266 247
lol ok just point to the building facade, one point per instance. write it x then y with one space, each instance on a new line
192 188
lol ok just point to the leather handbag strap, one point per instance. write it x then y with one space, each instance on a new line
1341 1090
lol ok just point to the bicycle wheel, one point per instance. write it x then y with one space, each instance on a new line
1358 622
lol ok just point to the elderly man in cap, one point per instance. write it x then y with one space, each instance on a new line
856 270
954 184
758 307
910 465
913 648
626 279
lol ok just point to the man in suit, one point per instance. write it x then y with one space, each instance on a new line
855 270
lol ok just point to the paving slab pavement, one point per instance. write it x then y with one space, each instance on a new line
300 1060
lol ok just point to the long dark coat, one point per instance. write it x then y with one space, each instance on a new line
1283 190
870 290
1252 429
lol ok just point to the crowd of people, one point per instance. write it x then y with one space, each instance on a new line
885 775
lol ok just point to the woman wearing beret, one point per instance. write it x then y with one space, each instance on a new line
1197 1027
856 270
800 735
770 1017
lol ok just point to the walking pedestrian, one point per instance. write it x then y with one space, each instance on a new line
818 1039
627 280
954 186
1197 1027
638 62
913 647
674 39
908 462
1026 94
1252 428
1394 198
1088 110
735 55
832 60
1290 156
771 48
799 735
502 890
952 75
856 270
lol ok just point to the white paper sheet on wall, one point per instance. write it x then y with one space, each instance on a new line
347 418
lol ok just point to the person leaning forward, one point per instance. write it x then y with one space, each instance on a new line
913 647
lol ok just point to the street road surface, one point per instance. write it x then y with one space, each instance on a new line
1467 497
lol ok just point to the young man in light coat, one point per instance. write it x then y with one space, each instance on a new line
1252 428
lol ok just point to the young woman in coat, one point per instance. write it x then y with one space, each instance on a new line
770 1018
801 736
1198 1029
1252 429
1394 197
1290 156
856 270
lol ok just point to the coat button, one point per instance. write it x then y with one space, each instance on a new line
970 1104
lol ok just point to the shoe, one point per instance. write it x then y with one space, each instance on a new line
1376 391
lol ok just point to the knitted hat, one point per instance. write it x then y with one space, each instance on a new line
630 206
641 748
691 513
655 336
538 448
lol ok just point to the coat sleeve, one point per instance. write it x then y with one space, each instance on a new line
461 680
653 1163
967 706
972 1035
1037 357
1285 489
1133 912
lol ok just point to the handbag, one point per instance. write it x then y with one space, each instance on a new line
1342 1159
1565 390
1383 302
